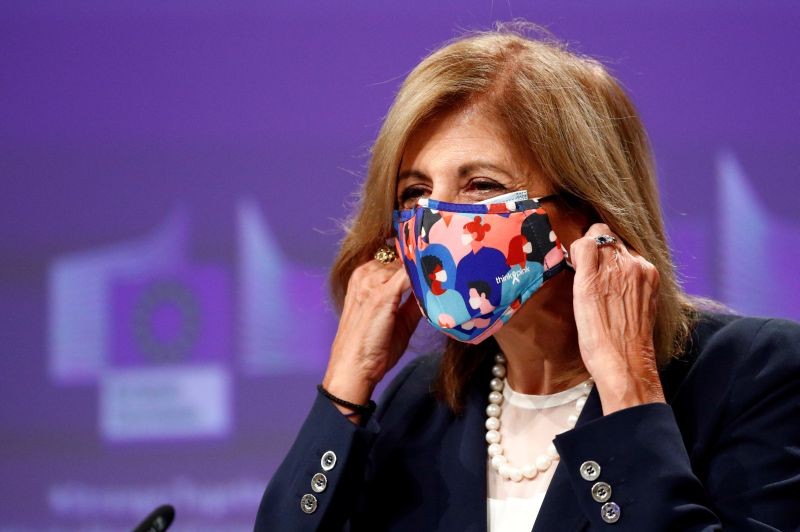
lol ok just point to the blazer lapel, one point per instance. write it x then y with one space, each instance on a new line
463 464
560 509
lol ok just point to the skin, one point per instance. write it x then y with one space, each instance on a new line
603 313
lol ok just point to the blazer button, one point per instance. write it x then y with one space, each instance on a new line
601 492
590 470
319 482
308 503
610 512
328 461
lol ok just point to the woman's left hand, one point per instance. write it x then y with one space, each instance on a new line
614 296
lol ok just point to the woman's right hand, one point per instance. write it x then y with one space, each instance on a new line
373 333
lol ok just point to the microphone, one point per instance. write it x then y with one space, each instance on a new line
158 520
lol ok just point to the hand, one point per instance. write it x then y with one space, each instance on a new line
614 297
373 333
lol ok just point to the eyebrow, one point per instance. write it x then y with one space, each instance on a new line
405 174
463 170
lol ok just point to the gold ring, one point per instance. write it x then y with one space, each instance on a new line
385 255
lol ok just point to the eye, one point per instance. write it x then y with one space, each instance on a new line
410 195
483 184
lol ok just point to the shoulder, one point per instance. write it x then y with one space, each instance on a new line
761 355
733 362
736 342
713 331
725 343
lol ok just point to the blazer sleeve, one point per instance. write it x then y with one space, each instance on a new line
320 480
746 477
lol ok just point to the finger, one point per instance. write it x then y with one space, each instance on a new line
387 272
585 256
374 272
373 266
616 254
648 269
601 229
588 243
361 272
398 282
368 278
598 229
639 260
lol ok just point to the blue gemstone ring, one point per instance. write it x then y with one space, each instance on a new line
605 240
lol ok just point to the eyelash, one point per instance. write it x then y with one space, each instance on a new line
411 192
492 185
415 191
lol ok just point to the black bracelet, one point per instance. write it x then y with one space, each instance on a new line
366 409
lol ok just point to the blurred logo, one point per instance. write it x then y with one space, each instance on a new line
163 336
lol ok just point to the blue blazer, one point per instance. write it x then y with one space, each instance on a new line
724 451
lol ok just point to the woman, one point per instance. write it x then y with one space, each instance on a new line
591 392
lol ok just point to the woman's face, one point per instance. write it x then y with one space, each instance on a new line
465 156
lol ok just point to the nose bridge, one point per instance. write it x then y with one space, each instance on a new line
444 188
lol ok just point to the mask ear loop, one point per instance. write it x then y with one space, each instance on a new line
548 197
539 200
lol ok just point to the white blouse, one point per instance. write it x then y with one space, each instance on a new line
528 424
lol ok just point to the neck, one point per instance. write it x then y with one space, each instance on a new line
540 342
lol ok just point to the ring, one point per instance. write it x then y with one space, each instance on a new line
385 255
605 240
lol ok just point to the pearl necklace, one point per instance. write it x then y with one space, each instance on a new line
500 463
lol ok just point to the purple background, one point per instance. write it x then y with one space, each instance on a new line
142 138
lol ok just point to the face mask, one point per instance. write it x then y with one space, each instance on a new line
504 251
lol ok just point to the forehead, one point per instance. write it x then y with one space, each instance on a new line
466 134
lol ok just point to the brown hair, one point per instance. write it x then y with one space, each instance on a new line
582 131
